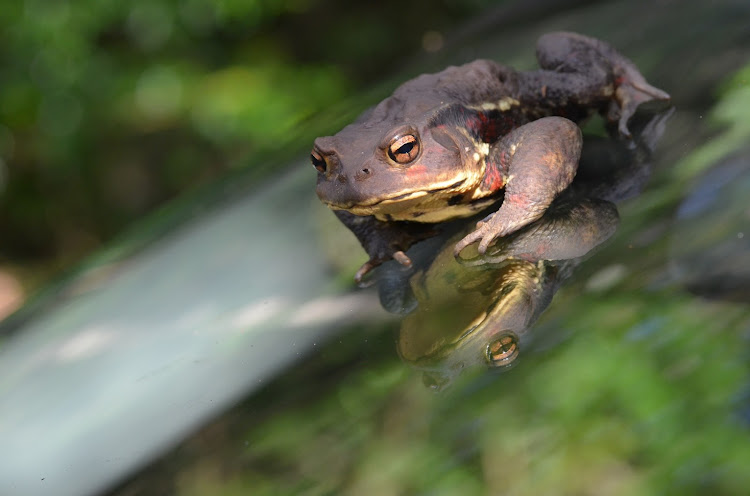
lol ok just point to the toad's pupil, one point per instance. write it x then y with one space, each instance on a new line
406 148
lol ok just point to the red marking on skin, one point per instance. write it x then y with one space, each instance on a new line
493 178
416 170
484 127
619 80
490 130
515 199
488 126
542 249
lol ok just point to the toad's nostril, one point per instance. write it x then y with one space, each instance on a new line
363 174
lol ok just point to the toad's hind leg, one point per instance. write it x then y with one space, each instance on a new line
538 160
583 72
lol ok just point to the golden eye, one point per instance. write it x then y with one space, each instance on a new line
502 351
318 161
404 149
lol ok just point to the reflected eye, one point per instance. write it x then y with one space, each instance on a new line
404 149
502 351
318 161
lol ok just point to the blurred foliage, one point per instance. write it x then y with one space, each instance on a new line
107 108
729 115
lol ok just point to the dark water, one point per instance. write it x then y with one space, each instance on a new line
234 356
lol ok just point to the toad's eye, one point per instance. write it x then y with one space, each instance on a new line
318 161
404 149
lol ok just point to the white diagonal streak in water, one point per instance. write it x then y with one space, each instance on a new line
106 381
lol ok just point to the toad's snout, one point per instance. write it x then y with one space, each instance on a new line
339 187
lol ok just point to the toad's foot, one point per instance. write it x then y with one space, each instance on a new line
631 90
591 72
515 213
383 241
399 256
570 228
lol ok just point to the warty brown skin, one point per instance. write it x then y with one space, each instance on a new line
448 145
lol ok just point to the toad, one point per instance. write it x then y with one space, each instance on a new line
451 144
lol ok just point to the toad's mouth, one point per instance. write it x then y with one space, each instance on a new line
369 206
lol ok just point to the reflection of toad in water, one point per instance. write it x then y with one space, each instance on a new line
478 310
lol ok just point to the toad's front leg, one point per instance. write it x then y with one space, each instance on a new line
537 161
383 241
